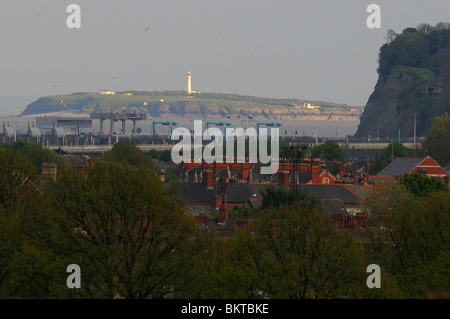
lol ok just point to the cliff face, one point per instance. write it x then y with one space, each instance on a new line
215 111
382 112
395 100
414 77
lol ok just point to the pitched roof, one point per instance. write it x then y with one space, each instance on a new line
334 206
354 155
333 191
240 193
198 209
196 193
400 166
373 179
364 191
353 188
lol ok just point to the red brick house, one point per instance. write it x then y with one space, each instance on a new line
404 166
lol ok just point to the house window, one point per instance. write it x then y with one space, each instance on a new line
326 180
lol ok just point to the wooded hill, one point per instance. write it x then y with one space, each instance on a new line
414 77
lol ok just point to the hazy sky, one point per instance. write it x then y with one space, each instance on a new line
316 50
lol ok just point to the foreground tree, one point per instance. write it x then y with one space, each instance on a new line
129 232
275 197
414 246
117 223
385 198
27 268
36 154
292 252
15 171
127 153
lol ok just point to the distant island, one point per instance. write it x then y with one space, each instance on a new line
413 85
180 104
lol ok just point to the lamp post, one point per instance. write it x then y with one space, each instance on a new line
415 114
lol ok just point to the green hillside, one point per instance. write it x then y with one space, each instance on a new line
177 103
414 77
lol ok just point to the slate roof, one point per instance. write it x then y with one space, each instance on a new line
196 192
353 188
364 191
334 206
400 166
257 177
335 191
71 159
240 193
373 179
354 155
169 168
253 203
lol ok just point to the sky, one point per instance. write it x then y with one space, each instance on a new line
319 50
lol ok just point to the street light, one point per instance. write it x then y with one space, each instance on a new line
415 114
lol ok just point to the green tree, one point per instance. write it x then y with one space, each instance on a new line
330 150
29 266
275 197
240 212
130 231
383 200
15 171
36 154
127 152
292 252
419 185
164 156
414 247
436 144
298 253
116 222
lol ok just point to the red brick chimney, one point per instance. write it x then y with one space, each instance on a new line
245 170
208 178
217 200
49 171
284 178
315 171
223 214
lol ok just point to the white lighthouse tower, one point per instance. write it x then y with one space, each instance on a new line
189 88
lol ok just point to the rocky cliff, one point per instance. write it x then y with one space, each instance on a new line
414 77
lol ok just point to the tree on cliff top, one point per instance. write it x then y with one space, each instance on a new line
414 47
437 143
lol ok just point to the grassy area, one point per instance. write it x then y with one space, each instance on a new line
423 74
173 100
